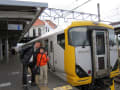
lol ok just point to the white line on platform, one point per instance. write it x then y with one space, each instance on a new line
5 84
15 73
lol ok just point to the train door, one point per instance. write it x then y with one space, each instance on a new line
100 53
52 55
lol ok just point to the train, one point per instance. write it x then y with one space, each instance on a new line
83 53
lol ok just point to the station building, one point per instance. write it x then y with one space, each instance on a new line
39 28
116 25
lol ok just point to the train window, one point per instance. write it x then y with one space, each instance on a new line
100 43
112 39
78 36
61 40
51 46
46 44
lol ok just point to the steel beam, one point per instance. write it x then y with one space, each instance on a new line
53 13
16 14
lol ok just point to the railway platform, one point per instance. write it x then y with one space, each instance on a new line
11 76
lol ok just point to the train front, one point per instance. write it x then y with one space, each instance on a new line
91 55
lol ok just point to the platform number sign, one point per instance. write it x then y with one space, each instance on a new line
17 27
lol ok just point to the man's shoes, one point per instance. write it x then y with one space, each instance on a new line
45 84
25 87
33 84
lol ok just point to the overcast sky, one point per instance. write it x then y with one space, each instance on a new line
110 9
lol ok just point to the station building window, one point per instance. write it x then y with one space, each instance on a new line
39 31
34 33
61 40
46 29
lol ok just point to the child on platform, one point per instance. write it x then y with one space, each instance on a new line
42 62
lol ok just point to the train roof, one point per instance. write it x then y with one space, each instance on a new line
90 23
59 29
62 27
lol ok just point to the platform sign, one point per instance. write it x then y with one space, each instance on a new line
15 27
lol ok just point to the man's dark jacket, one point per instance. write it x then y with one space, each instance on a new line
26 53
35 53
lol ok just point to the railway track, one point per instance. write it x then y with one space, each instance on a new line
117 83
117 79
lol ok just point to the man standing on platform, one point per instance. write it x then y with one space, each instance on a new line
33 61
28 57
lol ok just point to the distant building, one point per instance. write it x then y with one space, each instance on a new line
116 25
40 27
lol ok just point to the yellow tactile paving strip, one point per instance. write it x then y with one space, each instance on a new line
66 87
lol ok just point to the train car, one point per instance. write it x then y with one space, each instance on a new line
83 53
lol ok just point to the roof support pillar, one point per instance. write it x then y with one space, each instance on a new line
6 50
1 50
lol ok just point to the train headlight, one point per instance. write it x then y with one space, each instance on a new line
80 72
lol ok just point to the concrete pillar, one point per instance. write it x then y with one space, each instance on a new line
7 50
1 50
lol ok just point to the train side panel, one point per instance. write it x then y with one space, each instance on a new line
56 54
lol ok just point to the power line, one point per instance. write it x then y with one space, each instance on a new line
81 4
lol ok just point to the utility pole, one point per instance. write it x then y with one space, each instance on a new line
98 9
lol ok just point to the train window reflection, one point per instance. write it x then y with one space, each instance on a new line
112 39
51 46
61 40
78 36
100 43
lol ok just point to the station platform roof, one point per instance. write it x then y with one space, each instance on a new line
17 17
